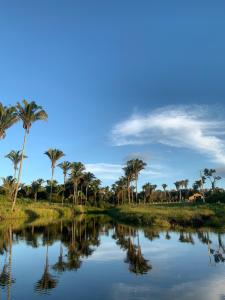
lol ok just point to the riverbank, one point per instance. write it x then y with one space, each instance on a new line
167 216
172 215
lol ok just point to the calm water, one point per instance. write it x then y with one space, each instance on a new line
97 258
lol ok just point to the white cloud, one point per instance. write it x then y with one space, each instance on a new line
192 128
114 171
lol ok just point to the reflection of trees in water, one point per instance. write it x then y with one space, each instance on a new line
186 238
217 253
78 239
134 257
6 278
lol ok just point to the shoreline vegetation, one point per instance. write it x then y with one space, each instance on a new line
158 215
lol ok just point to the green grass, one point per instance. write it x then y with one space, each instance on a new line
172 215
185 215
29 211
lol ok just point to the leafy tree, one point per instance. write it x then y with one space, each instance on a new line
213 178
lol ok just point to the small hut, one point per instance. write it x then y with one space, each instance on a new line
195 198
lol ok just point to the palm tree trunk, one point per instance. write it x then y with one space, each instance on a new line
136 190
74 193
63 196
20 169
52 183
14 173
86 194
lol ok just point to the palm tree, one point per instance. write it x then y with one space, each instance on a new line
8 117
15 157
28 113
137 165
77 169
129 175
9 184
164 186
146 190
65 166
36 186
178 186
54 155
88 178
95 187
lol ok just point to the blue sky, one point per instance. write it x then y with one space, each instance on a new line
117 78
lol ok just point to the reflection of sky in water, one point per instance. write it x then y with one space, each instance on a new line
179 271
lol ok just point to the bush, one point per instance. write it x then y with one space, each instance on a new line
216 197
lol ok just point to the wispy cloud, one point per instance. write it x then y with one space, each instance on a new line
195 128
106 171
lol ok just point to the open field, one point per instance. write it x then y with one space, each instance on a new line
204 215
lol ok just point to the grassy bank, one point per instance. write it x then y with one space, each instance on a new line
173 215
30 211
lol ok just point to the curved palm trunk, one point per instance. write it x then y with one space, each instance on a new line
20 170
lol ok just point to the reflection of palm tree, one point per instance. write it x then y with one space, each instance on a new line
186 238
137 263
6 279
60 266
47 281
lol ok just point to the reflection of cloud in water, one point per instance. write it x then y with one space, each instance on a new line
122 291
107 252
212 288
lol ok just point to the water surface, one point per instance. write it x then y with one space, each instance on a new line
97 258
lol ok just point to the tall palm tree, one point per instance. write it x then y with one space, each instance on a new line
8 117
77 169
137 165
129 175
54 155
15 157
88 178
28 113
65 166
